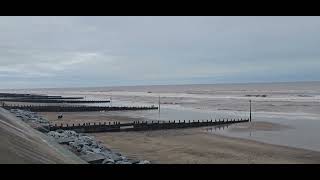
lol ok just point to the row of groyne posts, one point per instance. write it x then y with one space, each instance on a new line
145 125
117 126
40 108
54 101
142 125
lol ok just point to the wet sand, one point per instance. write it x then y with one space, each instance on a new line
259 126
193 145
196 146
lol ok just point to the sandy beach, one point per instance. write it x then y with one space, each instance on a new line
190 145
194 146
286 118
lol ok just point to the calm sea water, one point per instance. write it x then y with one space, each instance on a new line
294 104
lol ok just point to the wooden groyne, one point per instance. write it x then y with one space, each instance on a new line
34 108
34 96
37 100
142 125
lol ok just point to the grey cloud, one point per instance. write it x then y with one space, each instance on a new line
155 49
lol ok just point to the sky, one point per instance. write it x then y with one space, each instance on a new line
77 51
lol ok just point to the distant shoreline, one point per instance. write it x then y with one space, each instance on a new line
157 85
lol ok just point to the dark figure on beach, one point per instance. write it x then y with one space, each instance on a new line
60 116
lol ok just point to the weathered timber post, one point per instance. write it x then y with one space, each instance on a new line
159 104
250 110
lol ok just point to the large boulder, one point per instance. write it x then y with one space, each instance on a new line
60 130
144 162
123 162
66 140
70 133
93 158
108 161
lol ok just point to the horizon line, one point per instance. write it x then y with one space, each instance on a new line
239 83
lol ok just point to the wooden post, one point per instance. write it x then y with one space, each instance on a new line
159 104
250 110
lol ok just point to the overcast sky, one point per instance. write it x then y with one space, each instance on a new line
112 51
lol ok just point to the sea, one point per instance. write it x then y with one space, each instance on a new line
289 104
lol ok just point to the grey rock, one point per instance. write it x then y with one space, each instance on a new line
144 162
87 139
94 144
106 154
123 162
108 161
84 152
96 150
93 158
70 133
116 157
54 134
85 149
60 130
43 129
65 140
111 155
134 161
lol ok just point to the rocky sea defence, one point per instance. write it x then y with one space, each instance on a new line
83 145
